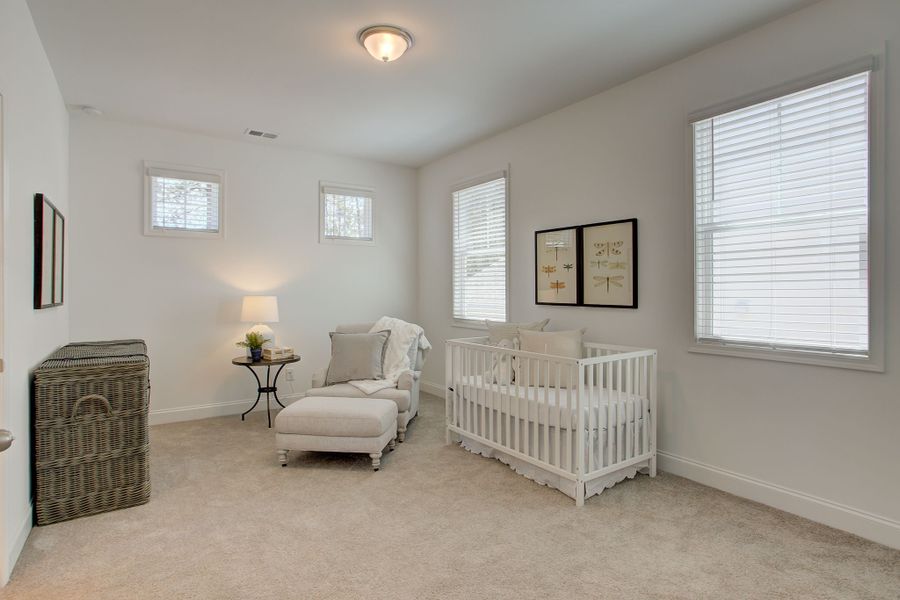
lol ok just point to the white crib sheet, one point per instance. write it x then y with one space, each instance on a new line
541 403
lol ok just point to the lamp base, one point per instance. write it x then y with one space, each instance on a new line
266 332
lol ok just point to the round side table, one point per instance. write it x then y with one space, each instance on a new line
271 386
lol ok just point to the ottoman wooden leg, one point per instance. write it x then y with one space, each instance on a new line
392 444
282 457
376 460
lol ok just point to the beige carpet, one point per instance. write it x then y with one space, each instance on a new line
226 521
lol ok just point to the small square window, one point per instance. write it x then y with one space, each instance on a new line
183 201
347 214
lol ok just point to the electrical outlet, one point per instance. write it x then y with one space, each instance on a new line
289 374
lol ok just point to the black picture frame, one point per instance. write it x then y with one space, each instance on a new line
576 264
633 267
49 255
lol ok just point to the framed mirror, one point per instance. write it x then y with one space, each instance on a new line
49 253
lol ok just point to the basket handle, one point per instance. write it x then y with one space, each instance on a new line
98 397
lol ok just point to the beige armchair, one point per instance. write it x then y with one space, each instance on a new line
405 394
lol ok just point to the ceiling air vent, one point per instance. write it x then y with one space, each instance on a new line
261 134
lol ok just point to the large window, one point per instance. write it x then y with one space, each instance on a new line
479 249
347 214
183 200
781 221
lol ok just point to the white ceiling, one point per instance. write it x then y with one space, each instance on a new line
294 67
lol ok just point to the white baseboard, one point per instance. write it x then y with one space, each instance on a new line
207 411
840 516
432 388
17 546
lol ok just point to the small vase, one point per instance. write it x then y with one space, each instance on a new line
256 354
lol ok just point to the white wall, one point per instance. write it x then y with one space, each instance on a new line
183 295
35 138
822 442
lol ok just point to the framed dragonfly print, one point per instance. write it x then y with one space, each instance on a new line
609 273
556 259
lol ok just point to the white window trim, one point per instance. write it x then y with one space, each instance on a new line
351 188
187 171
479 324
876 250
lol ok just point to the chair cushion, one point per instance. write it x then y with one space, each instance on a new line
346 390
357 356
338 417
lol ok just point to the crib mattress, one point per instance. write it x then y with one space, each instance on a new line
551 405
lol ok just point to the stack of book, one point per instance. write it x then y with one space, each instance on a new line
277 352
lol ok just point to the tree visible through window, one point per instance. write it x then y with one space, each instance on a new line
347 214
183 200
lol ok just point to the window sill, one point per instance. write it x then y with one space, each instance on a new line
185 233
347 241
805 358
470 325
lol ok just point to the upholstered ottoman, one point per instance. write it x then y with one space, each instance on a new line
322 424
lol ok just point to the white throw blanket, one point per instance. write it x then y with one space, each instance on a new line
397 353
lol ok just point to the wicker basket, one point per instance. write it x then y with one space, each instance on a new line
91 445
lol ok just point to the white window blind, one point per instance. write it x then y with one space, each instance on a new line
184 201
479 250
781 192
347 214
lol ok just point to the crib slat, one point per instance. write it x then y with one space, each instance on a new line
538 394
625 424
559 412
526 426
636 403
464 384
491 397
475 392
567 441
636 410
610 421
503 410
590 405
545 375
516 420
620 450
454 382
644 381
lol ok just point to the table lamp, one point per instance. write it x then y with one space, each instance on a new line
260 310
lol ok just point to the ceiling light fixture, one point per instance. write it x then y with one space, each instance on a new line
385 42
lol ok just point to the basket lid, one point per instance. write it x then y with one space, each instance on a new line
82 354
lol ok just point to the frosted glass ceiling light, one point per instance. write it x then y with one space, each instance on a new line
385 42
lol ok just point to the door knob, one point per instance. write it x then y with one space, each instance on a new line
6 439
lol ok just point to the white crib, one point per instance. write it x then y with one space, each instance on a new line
579 439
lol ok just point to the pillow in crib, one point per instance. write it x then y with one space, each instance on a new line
502 371
567 344
499 331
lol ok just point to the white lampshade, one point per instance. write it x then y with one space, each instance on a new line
260 309
385 42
